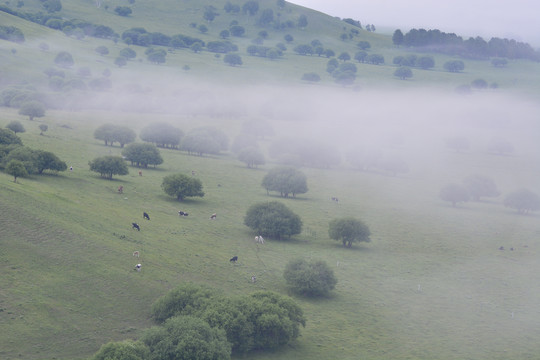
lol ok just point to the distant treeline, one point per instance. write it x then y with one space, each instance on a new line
477 48
78 28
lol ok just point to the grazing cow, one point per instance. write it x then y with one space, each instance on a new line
135 226
145 216
501 248
120 189
140 173
182 213
335 199
138 267
136 254
253 279
213 216
234 259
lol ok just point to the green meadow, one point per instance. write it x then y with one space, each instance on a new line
431 284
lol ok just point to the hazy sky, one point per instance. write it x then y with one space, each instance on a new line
517 19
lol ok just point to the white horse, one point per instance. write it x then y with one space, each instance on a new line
259 239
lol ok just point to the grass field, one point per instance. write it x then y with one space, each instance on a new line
431 284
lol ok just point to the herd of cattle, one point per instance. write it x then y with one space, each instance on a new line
258 239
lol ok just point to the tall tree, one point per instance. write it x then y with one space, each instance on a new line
397 37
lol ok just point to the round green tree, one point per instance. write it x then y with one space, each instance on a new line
311 278
348 230
273 219
32 109
187 338
454 193
16 126
107 166
16 169
252 157
142 154
480 186
403 72
523 201
286 180
182 186
124 350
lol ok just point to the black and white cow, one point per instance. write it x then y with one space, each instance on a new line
145 216
136 226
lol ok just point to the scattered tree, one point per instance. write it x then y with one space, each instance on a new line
8 137
364 45
480 186
142 154
479 84
187 338
128 53
46 160
120 61
107 166
111 133
162 134
123 350
232 59
311 278
311 77
64 59
16 169
403 72
273 219
182 186
397 37
348 230
43 128
344 56
102 50
32 109
123 10
523 200
252 157
454 66
16 127
454 193
426 62
286 180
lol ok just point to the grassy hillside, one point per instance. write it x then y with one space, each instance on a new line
432 284
172 17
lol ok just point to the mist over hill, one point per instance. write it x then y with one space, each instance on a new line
433 282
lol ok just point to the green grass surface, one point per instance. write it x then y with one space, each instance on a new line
68 283
432 284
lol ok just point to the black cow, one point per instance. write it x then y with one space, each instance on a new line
135 226
234 259
145 215
182 213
